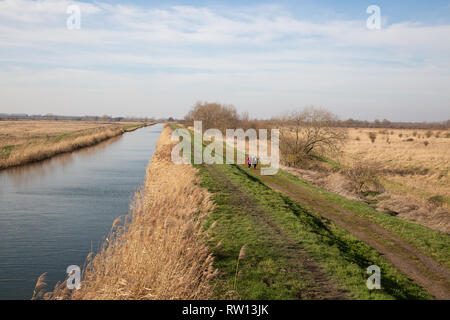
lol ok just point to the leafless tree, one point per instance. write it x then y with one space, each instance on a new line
214 115
309 131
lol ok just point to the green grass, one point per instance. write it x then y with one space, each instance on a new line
133 126
5 151
341 255
269 272
61 136
431 242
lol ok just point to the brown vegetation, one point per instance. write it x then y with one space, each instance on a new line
364 177
214 115
23 142
160 250
308 131
406 175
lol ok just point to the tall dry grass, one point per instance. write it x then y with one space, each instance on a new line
160 251
16 132
40 151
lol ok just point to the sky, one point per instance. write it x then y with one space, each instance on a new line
158 58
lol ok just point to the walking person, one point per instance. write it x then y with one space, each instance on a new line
248 162
255 161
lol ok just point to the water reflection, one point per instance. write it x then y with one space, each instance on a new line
53 212
24 174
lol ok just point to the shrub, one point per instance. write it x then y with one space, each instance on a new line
364 178
426 143
372 136
428 134
214 115
436 200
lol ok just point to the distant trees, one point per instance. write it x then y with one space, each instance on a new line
309 131
214 115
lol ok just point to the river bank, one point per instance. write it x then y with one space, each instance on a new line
43 145
158 251
54 212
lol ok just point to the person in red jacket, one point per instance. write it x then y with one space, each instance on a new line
248 162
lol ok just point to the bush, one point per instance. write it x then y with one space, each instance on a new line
364 178
214 115
428 134
372 136
426 143
308 133
436 200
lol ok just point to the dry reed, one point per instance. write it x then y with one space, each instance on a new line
160 251
42 151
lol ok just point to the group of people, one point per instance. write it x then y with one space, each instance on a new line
252 161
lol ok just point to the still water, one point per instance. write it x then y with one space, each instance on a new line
53 212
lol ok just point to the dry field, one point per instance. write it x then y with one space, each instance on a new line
413 167
160 251
28 141
415 162
22 131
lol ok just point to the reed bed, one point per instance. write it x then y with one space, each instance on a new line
40 151
159 251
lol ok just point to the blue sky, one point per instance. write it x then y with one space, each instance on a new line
157 58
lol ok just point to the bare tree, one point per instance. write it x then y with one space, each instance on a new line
214 115
309 131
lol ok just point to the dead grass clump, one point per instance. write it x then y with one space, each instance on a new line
436 201
363 177
160 251
408 208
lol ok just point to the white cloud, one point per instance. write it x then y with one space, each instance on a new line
257 57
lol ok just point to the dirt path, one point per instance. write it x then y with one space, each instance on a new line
320 286
422 269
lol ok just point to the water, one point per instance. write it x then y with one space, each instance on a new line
53 212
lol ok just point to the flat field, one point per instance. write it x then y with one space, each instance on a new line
414 163
25 141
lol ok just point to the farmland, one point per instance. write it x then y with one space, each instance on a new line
25 141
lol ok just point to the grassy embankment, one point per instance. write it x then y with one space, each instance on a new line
292 252
266 245
159 251
45 142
